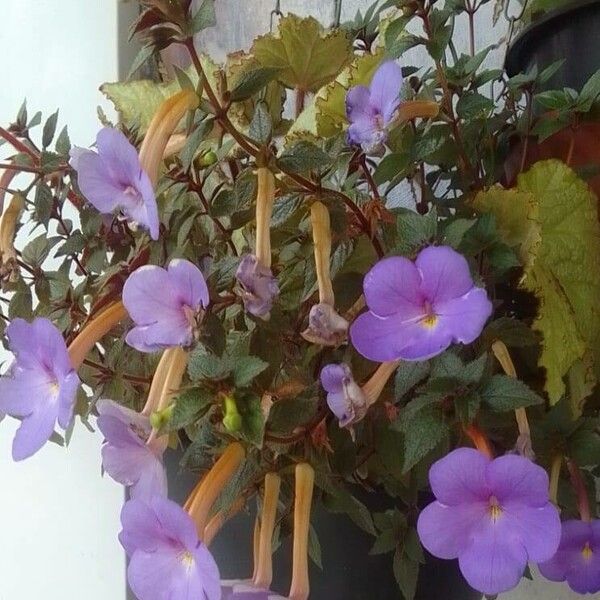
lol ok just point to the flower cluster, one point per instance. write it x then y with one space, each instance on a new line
242 287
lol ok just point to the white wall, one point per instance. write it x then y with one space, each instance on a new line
59 517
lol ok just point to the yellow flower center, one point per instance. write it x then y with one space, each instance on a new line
54 388
430 321
187 558
587 552
495 509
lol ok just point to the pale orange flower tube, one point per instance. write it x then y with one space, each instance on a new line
161 128
264 571
264 210
305 479
207 491
94 331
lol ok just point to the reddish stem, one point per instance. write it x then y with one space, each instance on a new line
583 501
479 440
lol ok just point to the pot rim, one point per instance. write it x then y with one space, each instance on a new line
539 29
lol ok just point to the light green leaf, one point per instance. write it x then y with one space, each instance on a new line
564 274
308 57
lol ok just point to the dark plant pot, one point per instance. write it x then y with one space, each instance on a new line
570 34
350 573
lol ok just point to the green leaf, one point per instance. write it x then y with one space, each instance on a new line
314 548
208 366
584 446
145 53
564 274
512 332
455 231
187 407
423 426
246 368
43 201
503 393
306 55
261 125
414 230
63 143
204 17
38 249
303 157
473 106
290 413
253 419
385 542
251 82
188 152
589 92
21 304
406 572
74 244
408 375
49 129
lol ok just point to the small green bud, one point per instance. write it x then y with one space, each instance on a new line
207 159
159 419
232 420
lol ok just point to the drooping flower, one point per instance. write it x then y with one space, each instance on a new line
242 590
112 179
417 309
126 456
371 109
577 560
166 305
493 515
257 286
167 560
345 397
325 326
41 385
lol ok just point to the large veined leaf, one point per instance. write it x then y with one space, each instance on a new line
565 273
137 101
326 113
308 57
516 214
551 217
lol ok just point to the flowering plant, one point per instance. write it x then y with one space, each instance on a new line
367 293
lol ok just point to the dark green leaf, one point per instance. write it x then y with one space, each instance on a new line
408 375
49 130
474 105
261 126
303 157
188 152
204 17
251 82
187 407
74 244
43 201
502 393
246 368
63 143
208 366
414 230
406 572
142 56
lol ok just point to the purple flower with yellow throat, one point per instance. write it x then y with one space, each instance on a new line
370 110
493 515
417 309
126 455
256 286
112 179
166 558
577 560
166 305
40 387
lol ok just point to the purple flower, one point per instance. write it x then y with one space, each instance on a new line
257 286
41 385
371 109
166 559
345 398
166 305
416 310
241 590
577 559
125 455
325 326
113 179
493 515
